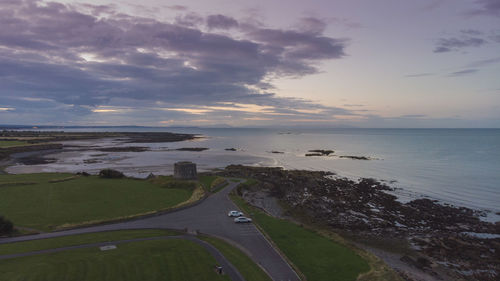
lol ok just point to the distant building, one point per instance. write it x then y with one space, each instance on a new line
185 170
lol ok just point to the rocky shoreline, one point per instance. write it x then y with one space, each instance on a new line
445 242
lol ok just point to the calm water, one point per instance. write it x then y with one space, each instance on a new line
460 166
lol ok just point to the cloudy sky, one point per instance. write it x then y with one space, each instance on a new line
363 63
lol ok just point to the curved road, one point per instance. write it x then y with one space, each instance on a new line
210 217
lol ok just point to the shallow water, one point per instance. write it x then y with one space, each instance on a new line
459 166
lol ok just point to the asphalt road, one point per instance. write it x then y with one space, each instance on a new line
210 217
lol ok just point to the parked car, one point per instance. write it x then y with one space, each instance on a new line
235 214
242 219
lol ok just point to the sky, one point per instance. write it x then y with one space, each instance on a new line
260 63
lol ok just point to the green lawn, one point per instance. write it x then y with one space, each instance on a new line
12 143
49 204
316 256
247 268
80 239
146 260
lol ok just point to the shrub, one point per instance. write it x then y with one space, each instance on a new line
6 226
111 174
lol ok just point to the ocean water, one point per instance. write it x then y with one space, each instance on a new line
458 166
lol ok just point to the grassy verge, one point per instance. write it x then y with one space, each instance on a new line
72 240
316 256
145 260
207 181
220 187
53 201
247 268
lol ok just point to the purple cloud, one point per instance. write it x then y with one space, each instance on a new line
455 44
221 22
487 7
71 56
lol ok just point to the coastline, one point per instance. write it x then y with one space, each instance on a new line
426 181
421 239
118 151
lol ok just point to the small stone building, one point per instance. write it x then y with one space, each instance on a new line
185 170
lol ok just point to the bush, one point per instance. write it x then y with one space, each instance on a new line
6 226
111 174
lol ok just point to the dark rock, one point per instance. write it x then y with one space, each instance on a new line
111 174
355 157
197 149
230 149
322 151
276 152
364 208
314 154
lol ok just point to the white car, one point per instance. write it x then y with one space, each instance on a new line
242 219
235 214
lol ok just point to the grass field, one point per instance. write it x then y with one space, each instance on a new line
316 256
12 143
146 260
50 201
247 268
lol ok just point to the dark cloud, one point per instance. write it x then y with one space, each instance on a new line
221 22
73 57
463 72
456 44
487 7
296 47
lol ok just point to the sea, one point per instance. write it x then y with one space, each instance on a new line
455 166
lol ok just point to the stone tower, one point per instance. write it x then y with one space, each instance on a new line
185 170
